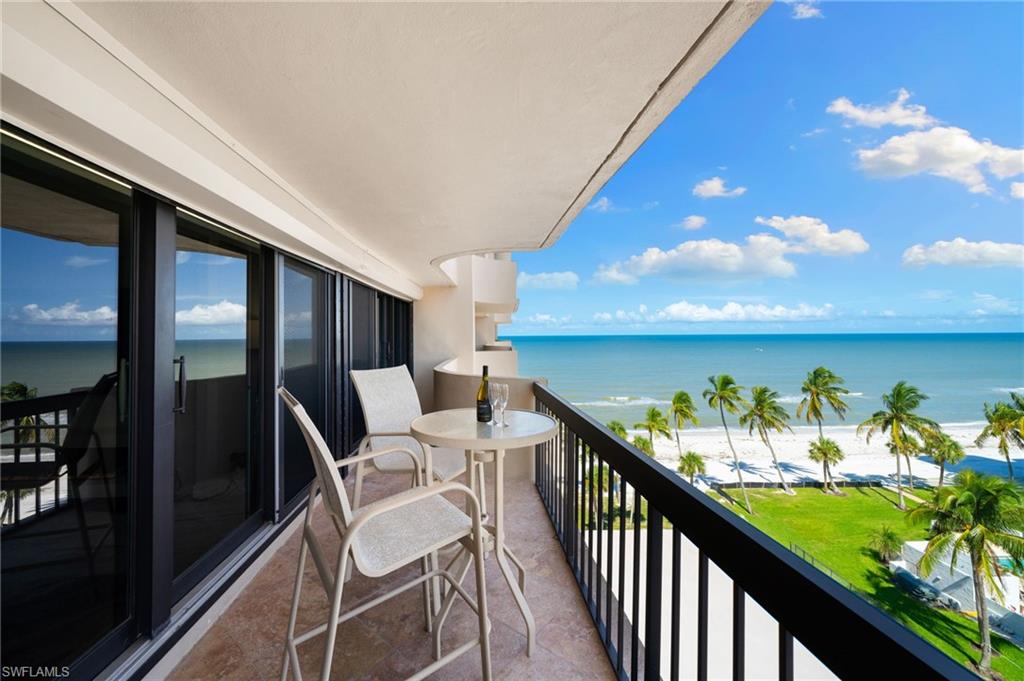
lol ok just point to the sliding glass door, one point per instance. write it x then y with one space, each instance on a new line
304 355
216 439
64 451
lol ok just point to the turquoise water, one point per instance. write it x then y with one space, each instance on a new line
618 377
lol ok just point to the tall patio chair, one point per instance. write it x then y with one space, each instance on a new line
390 403
379 539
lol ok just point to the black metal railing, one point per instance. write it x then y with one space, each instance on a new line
30 432
629 527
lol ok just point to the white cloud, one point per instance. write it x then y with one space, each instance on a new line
549 319
1017 190
962 252
990 304
224 312
685 311
812 235
650 205
735 312
602 205
897 112
548 280
806 10
761 255
715 188
814 133
70 314
692 222
944 152
943 295
83 261
182 257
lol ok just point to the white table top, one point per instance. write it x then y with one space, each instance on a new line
459 429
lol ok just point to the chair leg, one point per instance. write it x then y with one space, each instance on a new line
332 622
481 606
458 574
428 609
290 653
482 491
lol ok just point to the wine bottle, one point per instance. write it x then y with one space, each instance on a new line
483 400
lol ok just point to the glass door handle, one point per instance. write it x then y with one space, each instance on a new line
179 406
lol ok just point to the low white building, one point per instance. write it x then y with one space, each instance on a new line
958 582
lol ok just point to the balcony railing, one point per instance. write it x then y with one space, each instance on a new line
625 523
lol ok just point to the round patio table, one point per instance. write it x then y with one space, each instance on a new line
459 429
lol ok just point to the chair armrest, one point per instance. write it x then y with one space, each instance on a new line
427 462
367 456
410 497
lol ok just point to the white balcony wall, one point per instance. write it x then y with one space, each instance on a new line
499 362
494 285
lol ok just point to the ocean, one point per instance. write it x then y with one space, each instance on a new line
619 377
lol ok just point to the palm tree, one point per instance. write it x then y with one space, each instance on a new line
911 447
899 420
724 395
826 452
822 388
691 464
681 411
765 413
644 445
975 515
617 428
1004 423
887 543
944 450
655 423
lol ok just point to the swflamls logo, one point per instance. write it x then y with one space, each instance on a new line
27 672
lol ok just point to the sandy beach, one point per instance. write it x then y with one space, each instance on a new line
863 461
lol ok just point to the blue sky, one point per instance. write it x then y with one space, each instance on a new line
829 167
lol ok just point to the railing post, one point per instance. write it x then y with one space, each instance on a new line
652 625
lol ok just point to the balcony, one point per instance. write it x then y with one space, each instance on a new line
631 574
494 285
246 642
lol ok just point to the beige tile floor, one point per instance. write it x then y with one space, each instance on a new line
389 642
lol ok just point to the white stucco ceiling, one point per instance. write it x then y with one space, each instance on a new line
421 131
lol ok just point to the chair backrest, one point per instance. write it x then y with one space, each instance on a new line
335 498
83 444
389 401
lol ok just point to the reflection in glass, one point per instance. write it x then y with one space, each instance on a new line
214 481
304 365
64 456
362 349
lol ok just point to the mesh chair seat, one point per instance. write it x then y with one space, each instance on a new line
402 535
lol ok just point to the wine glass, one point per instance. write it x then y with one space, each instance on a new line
502 401
494 394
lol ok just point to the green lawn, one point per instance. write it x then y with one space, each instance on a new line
836 531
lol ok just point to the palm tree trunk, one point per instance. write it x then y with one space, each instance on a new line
691 478
942 472
824 477
981 605
899 483
679 447
1006 452
775 459
910 473
736 460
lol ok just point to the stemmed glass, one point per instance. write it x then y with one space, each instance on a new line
502 402
494 395
497 393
